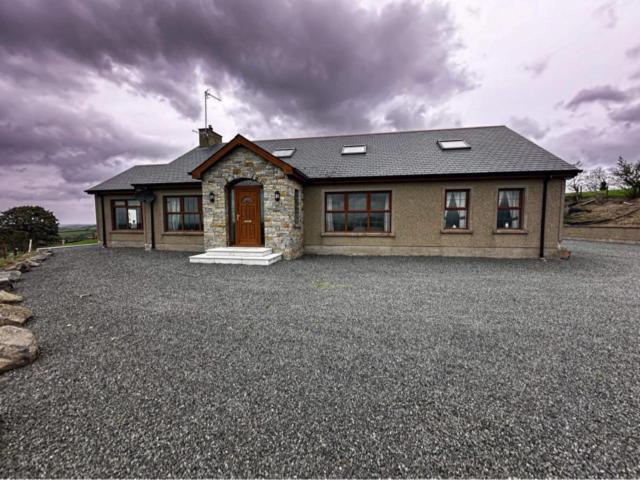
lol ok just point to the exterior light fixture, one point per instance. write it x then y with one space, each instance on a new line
212 197
277 196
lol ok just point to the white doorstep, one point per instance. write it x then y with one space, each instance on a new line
210 257
240 251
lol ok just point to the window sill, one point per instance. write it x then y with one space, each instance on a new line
180 234
456 231
128 232
510 231
357 234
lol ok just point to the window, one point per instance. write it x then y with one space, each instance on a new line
453 145
127 214
183 214
353 149
296 207
510 208
456 209
283 152
355 212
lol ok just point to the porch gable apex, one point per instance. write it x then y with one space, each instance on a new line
240 141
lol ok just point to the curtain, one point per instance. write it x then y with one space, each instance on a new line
387 216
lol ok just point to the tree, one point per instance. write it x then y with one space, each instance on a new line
594 178
576 184
19 224
628 174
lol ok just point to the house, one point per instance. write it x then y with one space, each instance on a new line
484 191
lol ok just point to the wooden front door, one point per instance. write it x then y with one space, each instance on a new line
247 201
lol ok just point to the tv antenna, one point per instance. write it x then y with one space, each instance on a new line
207 95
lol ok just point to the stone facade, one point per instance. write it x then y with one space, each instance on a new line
281 232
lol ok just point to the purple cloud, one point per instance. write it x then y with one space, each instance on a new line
595 146
313 66
634 52
294 59
528 127
537 67
606 13
602 94
627 114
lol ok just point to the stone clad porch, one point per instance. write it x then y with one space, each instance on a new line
280 201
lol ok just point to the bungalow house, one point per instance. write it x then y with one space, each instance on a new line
483 191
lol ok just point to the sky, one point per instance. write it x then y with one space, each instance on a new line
90 88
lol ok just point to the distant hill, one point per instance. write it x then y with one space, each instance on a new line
76 233
77 226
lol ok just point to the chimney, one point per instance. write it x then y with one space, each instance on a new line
208 137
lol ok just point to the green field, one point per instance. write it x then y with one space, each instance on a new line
86 241
77 234
587 195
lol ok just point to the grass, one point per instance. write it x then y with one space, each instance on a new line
587 195
75 231
5 262
86 241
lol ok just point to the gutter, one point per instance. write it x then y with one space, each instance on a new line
153 228
104 230
543 220
445 177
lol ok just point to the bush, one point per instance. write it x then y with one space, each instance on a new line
628 174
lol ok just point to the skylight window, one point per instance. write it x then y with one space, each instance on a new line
453 144
283 152
354 149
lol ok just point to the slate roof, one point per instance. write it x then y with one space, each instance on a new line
494 150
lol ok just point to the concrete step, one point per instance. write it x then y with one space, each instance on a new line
263 260
240 251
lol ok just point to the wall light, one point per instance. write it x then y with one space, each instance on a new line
277 196
212 197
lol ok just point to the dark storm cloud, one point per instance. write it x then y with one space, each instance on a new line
602 94
83 144
326 63
298 66
629 114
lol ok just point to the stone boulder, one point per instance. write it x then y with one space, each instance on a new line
20 267
6 297
5 282
14 314
17 347
14 275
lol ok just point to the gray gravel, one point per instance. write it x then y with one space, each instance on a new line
328 366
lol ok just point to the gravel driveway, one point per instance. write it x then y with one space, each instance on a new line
328 366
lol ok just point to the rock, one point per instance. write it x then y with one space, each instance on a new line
14 314
20 267
17 347
14 275
33 263
5 281
24 267
6 297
